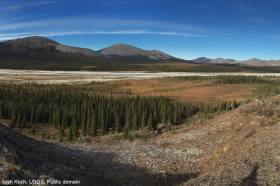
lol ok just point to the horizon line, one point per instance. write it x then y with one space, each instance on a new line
24 35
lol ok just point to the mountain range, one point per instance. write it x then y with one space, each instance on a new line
250 62
43 53
37 52
214 61
34 46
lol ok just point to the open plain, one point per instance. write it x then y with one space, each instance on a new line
89 76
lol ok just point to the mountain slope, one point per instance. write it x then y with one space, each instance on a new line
214 61
35 46
202 60
42 53
30 42
161 55
260 63
254 62
76 50
45 54
122 50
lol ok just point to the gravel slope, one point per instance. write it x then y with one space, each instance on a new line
240 147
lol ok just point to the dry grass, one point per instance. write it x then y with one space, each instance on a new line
187 91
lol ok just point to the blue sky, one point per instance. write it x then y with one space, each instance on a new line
239 29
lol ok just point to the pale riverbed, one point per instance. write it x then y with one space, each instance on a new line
87 76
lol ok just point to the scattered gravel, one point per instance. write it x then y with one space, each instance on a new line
240 147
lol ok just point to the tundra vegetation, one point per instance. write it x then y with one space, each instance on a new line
86 110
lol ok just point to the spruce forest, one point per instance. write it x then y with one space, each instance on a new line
76 110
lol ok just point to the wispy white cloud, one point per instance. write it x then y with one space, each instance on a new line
41 3
11 28
97 26
8 36
134 32
9 7
93 22
122 2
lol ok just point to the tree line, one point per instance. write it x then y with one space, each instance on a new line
78 112
232 79
75 110
241 79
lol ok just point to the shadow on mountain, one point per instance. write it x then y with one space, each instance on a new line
35 159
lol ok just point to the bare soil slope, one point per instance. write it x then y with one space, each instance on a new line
25 158
240 147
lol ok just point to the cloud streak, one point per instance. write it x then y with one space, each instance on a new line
91 25
121 2
94 22
41 3
11 7
8 36
12 26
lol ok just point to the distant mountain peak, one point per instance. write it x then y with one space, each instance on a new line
260 62
122 45
33 41
214 61
26 45
202 60
255 59
41 51
124 50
